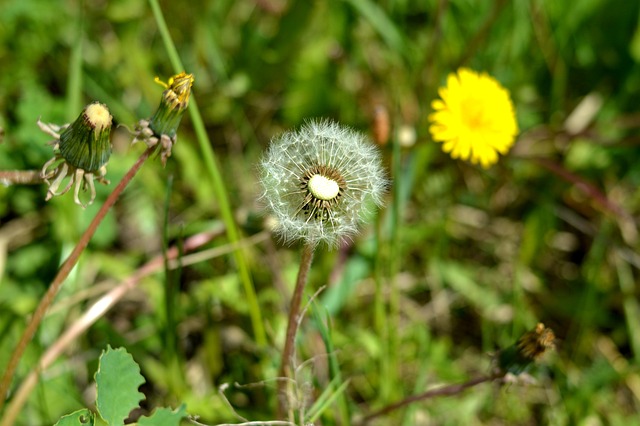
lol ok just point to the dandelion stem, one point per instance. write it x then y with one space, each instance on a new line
93 314
443 391
288 353
63 272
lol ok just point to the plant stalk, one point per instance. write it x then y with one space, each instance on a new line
91 315
443 391
63 273
288 353
219 188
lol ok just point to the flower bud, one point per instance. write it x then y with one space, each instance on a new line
85 144
81 151
162 127
173 104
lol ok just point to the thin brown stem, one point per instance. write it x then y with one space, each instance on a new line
63 272
443 391
91 315
288 353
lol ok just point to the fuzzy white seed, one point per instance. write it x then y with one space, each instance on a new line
323 188
321 182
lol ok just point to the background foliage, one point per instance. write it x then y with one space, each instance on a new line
473 259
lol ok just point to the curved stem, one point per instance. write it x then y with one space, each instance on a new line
63 272
91 315
288 353
443 391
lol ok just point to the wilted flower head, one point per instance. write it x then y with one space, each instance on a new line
530 347
81 151
320 182
163 126
474 118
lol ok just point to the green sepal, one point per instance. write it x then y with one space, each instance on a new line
167 118
512 361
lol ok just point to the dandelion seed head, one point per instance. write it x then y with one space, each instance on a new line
320 182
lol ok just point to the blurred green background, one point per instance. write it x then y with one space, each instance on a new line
472 259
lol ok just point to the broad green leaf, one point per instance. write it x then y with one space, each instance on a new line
117 379
164 417
82 417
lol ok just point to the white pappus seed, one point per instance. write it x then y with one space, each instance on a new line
320 182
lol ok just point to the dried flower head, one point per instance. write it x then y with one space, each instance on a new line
530 347
475 118
320 182
81 152
163 126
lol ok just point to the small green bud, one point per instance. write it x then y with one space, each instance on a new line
81 151
173 104
85 144
162 128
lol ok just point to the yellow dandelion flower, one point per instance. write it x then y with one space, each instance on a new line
475 118
162 128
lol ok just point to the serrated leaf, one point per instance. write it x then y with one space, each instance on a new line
82 417
117 381
164 417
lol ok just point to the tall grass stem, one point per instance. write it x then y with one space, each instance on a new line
220 191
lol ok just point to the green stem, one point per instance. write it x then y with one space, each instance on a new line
218 183
288 353
74 82
170 283
394 292
380 307
63 272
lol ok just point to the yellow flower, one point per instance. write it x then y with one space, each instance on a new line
475 118
162 128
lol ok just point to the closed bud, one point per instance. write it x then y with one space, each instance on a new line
85 144
173 104
81 152
163 126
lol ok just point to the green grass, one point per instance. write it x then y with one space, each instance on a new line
459 263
